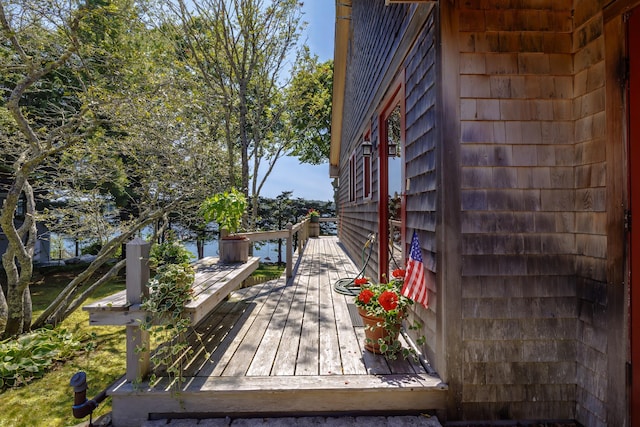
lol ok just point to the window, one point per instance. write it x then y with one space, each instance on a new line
352 178
21 208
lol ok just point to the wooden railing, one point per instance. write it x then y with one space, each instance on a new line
210 287
299 233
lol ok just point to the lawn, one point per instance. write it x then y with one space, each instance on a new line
47 401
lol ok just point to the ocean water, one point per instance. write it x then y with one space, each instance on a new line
267 251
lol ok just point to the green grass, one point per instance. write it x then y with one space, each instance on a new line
268 270
47 401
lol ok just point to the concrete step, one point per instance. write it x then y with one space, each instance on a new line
359 421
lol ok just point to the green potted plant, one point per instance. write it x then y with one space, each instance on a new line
383 308
227 209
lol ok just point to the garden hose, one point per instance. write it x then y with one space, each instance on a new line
347 286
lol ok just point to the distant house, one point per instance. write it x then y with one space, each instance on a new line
42 248
505 134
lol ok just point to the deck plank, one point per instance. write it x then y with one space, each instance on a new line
330 354
286 357
350 350
308 358
220 325
254 303
243 347
262 363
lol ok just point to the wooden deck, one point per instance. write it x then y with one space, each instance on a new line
285 348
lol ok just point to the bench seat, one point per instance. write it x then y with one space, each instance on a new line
213 282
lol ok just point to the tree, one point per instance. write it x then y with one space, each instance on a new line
241 49
156 148
120 130
30 142
309 102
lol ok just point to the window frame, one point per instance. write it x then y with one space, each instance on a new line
352 177
367 170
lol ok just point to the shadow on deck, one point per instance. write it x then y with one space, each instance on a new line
285 348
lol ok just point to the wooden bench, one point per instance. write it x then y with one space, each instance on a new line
213 282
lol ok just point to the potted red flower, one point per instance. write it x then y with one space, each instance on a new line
383 309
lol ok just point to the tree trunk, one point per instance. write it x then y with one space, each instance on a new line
4 311
18 258
87 293
230 148
200 247
28 310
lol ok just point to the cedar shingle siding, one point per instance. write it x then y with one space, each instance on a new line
510 197
517 202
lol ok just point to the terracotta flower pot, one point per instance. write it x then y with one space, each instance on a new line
234 249
373 332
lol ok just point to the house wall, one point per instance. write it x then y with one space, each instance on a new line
510 171
367 80
591 217
421 166
382 47
518 220
536 332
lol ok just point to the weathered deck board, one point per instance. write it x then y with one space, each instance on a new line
288 347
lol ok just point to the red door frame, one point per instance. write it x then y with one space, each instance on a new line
395 97
633 35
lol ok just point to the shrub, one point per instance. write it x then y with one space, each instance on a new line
29 356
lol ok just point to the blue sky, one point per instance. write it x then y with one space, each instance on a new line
308 181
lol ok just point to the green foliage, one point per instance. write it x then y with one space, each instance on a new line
309 98
169 292
104 363
30 356
270 271
170 252
313 213
226 208
273 214
92 248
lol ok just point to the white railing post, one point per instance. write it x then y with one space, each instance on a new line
289 250
137 279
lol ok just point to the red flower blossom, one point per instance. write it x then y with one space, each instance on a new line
388 300
361 281
398 273
365 296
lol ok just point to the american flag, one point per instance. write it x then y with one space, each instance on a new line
414 286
